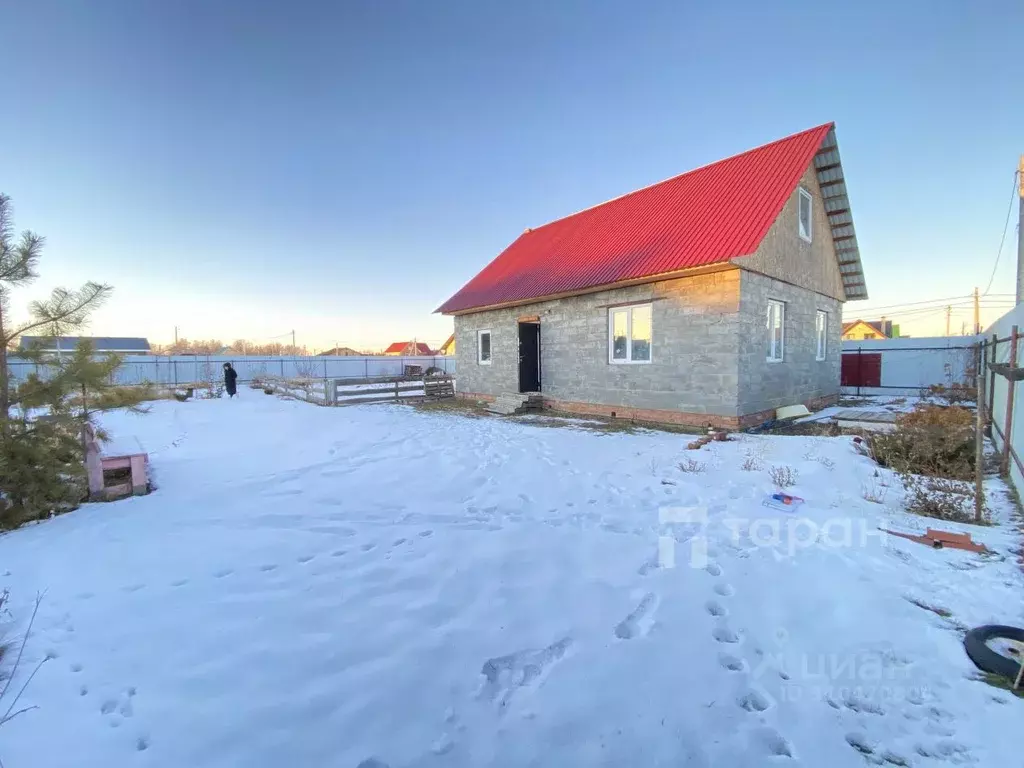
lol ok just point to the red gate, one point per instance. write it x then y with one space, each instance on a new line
860 369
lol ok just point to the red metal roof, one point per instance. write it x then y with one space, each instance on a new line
409 348
706 216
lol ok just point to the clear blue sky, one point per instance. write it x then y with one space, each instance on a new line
340 168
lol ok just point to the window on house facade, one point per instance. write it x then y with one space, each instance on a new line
776 330
483 347
804 214
629 334
821 332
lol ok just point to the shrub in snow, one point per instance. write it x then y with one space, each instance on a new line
752 463
13 685
930 440
954 394
874 491
940 497
692 466
783 476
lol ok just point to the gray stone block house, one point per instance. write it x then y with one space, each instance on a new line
711 298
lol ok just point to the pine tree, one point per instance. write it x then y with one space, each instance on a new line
42 418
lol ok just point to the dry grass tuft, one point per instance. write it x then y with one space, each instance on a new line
783 476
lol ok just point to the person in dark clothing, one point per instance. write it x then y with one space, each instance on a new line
230 376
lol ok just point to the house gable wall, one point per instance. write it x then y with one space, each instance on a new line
694 352
799 377
784 255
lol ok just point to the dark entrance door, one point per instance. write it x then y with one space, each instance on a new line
529 357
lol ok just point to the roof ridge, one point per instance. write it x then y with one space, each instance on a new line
830 124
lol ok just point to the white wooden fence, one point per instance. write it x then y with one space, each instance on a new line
346 391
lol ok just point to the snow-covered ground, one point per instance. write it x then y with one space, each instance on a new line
377 585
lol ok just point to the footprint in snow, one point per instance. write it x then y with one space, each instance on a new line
179 583
725 635
223 572
268 567
754 701
640 619
724 589
772 742
731 663
715 608
714 569
304 558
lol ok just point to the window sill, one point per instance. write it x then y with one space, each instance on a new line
806 239
629 362
483 362
774 360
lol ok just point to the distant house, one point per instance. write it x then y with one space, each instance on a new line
409 349
870 329
122 345
341 352
448 348
714 297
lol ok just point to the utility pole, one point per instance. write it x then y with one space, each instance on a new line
293 343
977 313
175 335
1020 232
949 312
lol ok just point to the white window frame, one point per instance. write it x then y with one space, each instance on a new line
821 334
776 355
480 346
803 194
628 309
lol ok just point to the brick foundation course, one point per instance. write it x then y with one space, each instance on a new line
658 416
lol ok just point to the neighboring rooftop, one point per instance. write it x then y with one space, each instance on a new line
411 348
130 344
340 352
884 327
707 216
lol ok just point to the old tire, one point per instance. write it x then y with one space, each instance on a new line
976 643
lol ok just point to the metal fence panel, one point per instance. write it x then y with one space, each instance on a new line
194 369
906 366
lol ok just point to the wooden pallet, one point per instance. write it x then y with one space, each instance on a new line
438 387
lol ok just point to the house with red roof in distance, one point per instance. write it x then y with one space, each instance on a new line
711 298
409 349
448 348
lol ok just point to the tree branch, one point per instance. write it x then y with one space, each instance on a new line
65 309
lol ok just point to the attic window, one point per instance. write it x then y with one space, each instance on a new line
804 214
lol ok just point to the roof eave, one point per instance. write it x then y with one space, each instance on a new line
723 266
829 169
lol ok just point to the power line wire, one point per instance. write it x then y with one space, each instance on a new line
1009 210
913 303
